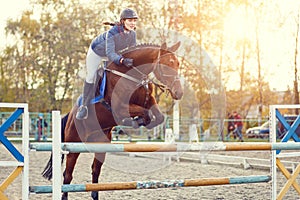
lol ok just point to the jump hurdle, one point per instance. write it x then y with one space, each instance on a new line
153 184
276 163
179 147
22 159
59 148
216 146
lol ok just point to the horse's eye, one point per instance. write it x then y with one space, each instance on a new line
172 61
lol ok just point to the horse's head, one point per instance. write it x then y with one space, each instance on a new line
148 58
166 70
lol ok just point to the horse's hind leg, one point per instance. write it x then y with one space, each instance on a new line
70 165
96 169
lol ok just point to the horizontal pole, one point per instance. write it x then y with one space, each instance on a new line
179 147
11 164
152 184
285 106
13 105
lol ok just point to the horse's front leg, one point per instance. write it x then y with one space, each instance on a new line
132 115
96 170
158 117
70 165
150 116
139 116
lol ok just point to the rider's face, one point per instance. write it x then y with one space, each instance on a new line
130 24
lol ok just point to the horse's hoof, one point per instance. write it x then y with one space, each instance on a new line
138 121
130 122
151 115
95 195
152 125
127 122
135 124
64 198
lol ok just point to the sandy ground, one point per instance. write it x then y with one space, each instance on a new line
120 168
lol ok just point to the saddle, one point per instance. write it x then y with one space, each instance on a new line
101 79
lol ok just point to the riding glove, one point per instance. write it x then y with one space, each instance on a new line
128 62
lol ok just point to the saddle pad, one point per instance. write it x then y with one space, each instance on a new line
101 91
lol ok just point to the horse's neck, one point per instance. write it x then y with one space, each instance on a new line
144 62
144 55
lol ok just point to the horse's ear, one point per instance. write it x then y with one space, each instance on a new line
164 46
174 47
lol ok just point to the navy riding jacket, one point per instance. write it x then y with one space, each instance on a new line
109 43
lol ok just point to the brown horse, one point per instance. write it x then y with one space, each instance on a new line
128 100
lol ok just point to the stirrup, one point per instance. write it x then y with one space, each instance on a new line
82 113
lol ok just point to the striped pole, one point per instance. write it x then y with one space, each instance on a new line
179 147
152 184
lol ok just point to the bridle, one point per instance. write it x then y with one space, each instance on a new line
164 76
147 78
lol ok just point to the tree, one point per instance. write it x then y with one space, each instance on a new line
296 91
52 38
50 52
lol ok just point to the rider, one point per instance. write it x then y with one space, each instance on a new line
106 46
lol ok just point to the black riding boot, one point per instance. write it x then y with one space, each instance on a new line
82 112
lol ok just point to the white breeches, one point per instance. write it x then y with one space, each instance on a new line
92 63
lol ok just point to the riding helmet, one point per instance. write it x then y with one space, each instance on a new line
128 14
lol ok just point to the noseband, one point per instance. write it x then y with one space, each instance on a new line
158 68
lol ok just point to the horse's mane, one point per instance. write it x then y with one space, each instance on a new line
139 46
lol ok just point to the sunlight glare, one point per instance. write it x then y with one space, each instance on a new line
237 25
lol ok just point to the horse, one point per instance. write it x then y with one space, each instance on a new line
128 100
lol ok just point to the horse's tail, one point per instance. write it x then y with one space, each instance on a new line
47 173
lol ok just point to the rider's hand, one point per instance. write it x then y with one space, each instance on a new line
128 62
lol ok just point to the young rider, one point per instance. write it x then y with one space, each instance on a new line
106 46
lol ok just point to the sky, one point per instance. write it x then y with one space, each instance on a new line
278 76
274 42
10 9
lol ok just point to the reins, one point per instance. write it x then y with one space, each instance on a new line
145 79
